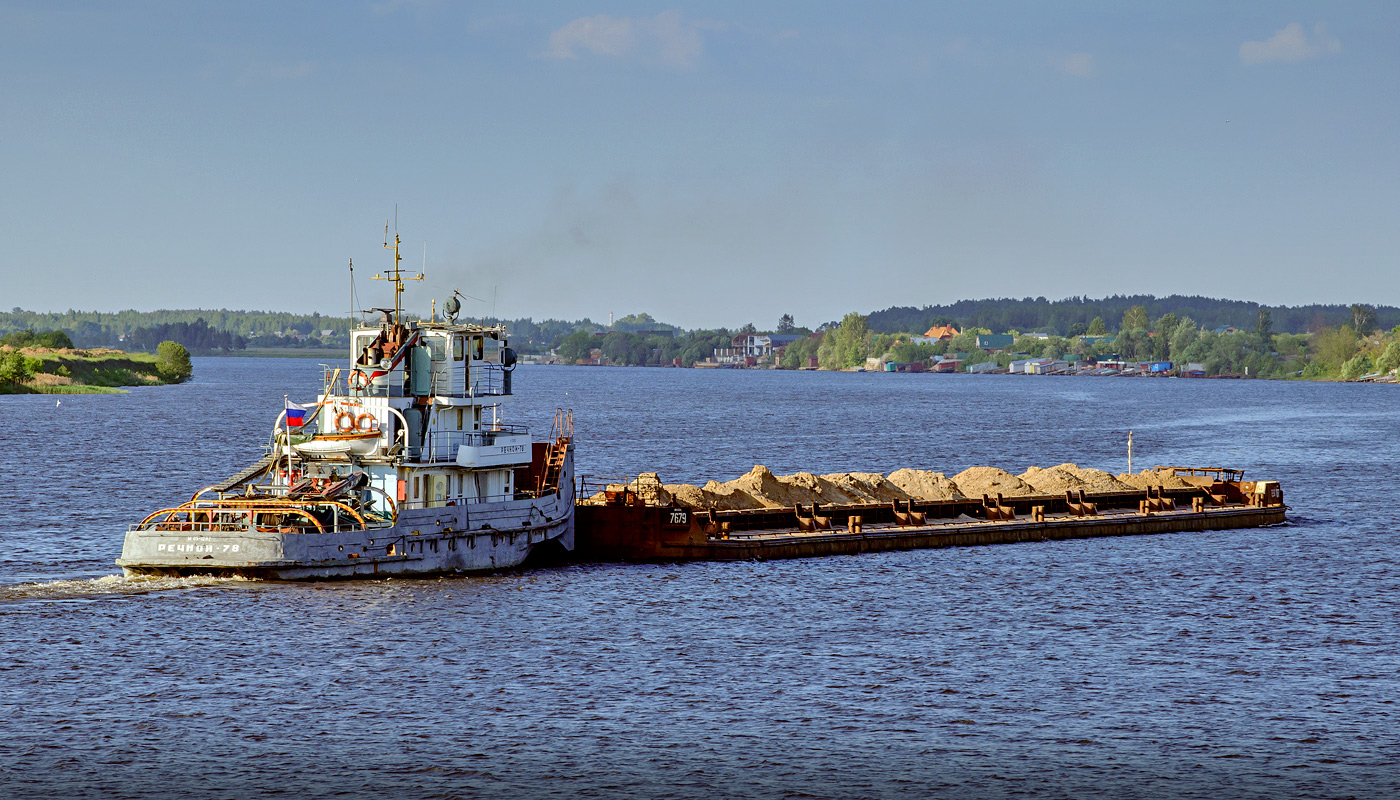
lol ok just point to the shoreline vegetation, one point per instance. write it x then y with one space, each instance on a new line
1197 336
48 364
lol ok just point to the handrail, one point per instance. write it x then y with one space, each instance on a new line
440 441
266 504
280 503
253 513
393 506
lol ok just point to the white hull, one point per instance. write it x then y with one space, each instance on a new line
475 537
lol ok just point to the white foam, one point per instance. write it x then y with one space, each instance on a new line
109 585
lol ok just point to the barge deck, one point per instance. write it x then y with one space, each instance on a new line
625 527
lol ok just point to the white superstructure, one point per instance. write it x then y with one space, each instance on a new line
403 465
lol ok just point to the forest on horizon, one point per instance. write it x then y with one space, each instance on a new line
223 330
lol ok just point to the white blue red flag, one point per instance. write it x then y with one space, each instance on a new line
296 415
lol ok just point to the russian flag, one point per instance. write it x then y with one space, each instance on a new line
296 415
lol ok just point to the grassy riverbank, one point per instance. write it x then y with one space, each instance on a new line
70 371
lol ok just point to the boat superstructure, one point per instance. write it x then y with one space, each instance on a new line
404 465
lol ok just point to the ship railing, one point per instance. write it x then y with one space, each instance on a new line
620 489
1222 474
485 379
464 501
263 514
441 446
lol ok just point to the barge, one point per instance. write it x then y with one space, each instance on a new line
620 521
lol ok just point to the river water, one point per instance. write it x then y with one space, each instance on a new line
1259 663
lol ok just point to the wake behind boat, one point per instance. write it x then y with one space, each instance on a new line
402 466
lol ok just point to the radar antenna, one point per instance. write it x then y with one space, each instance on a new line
398 276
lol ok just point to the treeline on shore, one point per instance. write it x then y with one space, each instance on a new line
1072 316
201 331
1354 349
1312 341
204 331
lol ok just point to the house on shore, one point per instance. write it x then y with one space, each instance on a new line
995 341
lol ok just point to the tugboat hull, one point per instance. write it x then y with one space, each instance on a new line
476 537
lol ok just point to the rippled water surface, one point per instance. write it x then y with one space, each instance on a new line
1230 664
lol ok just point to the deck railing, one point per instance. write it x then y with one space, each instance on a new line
441 446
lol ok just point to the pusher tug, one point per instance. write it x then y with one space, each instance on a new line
401 467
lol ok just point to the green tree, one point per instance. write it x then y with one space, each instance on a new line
1264 329
1355 367
1135 319
1132 343
796 354
1097 327
1390 359
173 362
1181 339
1030 345
786 324
1363 319
575 346
906 352
1335 347
748 329
847 345
15 368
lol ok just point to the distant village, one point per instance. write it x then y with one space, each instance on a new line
767 351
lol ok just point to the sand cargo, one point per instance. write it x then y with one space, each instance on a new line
762 516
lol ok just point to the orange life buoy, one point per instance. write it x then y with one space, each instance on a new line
345 422
366 423
359 379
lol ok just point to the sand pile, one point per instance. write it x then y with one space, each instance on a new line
804 487
922 484
1152 477
684 494
728 497
977 481
785 491
1072 478
760 488
869 487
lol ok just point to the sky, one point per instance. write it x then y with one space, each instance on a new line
710 164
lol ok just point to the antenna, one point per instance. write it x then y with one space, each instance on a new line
397 275
352 288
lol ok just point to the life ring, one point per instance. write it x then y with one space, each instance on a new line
345 422
366 423
359 379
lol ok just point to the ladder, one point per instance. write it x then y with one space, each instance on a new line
257 468
561 433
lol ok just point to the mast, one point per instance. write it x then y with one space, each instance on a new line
397 275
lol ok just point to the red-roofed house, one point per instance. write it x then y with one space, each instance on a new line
941 332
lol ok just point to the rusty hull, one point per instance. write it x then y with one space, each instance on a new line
627 529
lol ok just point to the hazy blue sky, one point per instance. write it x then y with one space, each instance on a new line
708 163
